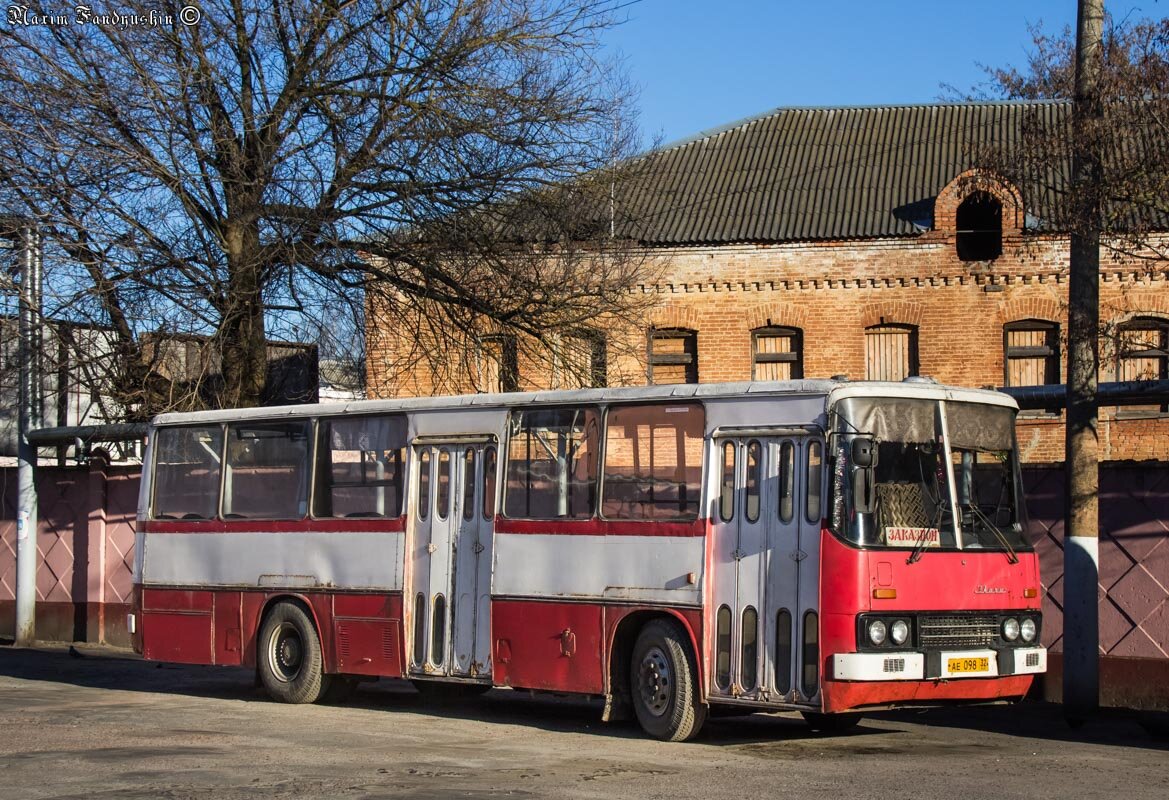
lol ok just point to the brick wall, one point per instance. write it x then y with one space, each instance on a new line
832 291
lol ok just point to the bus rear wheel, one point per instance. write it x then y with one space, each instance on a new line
663 683
289 653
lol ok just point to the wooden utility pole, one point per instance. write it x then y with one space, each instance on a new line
1081 665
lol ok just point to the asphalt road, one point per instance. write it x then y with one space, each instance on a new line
105 725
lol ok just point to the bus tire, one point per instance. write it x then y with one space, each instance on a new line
289 656
663 683
831 723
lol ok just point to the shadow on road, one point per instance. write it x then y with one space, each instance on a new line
101 668
1041 720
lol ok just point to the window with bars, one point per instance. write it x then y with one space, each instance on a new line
777 354
1031 352
1143 354
890 352
498 368
673 356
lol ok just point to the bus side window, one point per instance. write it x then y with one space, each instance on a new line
267 470
552 463
653 461
186 472
361 467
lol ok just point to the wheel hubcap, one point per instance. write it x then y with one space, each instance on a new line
656 681
287 653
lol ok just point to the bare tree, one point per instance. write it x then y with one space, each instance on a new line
290 166
1130 133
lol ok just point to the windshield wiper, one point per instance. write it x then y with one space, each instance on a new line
1002 537
919 545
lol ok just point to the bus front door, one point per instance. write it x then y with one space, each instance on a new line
451 559
766 554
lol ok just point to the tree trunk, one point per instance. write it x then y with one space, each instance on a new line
241 338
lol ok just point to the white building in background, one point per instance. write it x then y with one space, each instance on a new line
70 384
76 361
339 380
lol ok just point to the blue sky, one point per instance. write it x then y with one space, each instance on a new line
702 64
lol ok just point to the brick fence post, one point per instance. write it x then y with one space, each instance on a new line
95 594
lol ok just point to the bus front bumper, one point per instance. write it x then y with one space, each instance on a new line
937 665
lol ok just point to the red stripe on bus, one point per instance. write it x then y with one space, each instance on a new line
342 525
600 527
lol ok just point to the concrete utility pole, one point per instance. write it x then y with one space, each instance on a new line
1081 660
30 418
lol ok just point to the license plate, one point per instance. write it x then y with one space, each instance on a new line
981 664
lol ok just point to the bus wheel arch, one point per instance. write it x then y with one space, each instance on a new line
289 656
620 651
655 654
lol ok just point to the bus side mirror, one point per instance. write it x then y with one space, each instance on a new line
864 458
863 500
864 452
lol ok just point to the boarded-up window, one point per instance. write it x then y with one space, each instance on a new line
1143 354
582 360
653 461
498 368
777 354
1031 352
890 352
673 356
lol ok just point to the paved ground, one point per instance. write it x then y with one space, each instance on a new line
104 725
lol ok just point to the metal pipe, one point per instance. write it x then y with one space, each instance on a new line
29 415
1053 397
117 432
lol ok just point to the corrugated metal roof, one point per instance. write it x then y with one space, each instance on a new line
823 173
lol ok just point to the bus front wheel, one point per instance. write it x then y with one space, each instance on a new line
663 683
289 653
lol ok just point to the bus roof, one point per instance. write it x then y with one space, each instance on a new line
832 389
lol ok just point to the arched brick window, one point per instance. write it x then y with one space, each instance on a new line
1142 353
777 354
673 356
890 352
1031 352
979 227
498 364
582 359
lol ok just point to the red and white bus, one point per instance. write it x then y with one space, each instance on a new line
825 546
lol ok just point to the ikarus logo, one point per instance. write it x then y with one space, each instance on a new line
982 588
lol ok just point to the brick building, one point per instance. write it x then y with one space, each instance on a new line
857 241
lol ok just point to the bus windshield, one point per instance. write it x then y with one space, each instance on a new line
917 474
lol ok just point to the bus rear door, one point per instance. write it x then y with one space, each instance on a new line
450 558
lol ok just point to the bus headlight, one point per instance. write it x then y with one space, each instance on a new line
1011 629
899 632
1027 629
877 632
